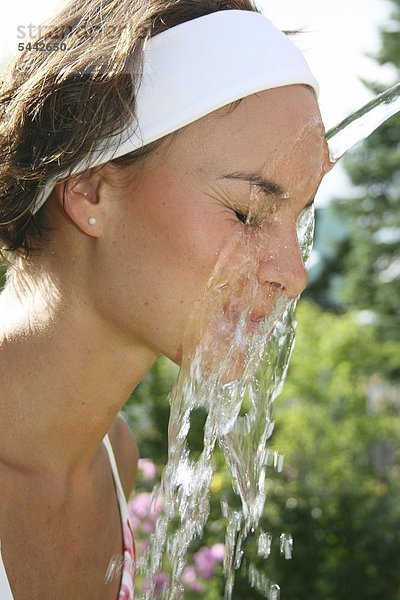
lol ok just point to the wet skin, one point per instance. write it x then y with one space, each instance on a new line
163 233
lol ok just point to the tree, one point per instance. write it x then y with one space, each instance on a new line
337 500
366 272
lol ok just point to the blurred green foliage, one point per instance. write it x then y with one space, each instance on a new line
148 409
390 35
338 494
363 271
338 426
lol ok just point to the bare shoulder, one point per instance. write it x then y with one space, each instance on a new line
126 453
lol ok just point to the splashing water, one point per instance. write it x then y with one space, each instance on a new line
236 353
224 347
360 124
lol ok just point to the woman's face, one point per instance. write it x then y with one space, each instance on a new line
167 226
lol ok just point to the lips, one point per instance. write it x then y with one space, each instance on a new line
257 317
234 311
254 318
254 322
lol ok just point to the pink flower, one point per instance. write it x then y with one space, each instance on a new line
142 546
204 562
141 507
189 579
148 468
218 552
162 582
148 526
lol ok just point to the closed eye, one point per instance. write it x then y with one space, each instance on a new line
248 219
241 216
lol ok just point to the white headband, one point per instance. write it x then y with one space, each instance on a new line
194 68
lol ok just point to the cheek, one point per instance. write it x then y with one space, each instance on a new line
176 232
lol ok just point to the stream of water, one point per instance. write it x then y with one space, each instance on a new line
360 124
230 362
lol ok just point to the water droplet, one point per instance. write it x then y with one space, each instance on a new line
279 463
259 581
269 459
238 559
270 429
264 544
115 567
286 545
275 592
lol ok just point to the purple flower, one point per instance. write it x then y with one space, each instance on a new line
204 562
148 525
161 582
205 559
142 508
189 579
148 468
142 546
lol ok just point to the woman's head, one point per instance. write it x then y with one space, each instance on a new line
161 225
56 106
165 212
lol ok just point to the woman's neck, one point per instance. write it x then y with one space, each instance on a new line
64 375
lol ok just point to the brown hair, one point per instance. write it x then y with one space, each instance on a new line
56 106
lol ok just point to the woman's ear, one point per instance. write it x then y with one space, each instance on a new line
80 198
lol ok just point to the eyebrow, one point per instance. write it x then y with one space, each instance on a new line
269 187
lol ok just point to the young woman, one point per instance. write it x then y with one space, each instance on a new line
111 240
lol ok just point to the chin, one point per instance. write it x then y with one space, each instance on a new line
176 356
173 353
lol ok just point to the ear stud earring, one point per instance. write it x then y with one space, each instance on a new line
92 220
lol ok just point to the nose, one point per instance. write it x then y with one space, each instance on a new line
281 267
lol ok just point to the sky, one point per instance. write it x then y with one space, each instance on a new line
337 37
